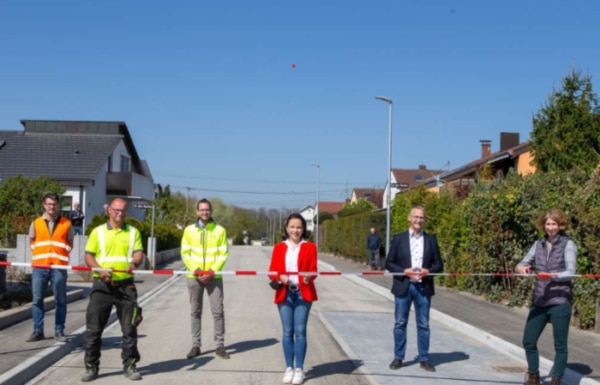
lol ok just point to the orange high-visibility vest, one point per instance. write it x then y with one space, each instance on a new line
51 249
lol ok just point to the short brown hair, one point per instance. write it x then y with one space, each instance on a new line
556 215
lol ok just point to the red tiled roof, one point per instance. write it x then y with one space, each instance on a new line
414 177
373 195
330 207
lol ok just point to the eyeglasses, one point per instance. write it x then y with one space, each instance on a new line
204 210
118 210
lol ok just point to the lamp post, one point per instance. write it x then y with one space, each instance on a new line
389 174
318 166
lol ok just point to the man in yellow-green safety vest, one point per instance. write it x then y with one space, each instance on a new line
204 248
116 246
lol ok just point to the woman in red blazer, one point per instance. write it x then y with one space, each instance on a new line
295 294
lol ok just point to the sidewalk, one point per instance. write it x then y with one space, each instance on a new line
494 323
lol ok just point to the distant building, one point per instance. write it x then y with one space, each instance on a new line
94 161
406 178
511 156
330 207
372 195
308 213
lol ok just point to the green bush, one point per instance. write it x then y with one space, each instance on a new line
484 234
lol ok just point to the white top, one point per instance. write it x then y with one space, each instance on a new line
416 249
291 260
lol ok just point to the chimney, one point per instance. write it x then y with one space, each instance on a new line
422 167
486 148
508 140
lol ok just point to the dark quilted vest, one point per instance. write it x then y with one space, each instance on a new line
547 293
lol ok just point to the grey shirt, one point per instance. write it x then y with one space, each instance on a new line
570 260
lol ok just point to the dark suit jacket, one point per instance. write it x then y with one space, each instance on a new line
399 259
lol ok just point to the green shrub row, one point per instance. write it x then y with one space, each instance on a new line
490 231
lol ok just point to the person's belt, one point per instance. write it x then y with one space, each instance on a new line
293 287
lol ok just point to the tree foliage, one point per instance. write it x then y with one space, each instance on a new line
566 130
20 203
360 206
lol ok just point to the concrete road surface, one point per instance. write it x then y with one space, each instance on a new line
349 339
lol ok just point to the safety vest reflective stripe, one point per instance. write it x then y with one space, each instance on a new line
36 257
209 250
122 259
51 243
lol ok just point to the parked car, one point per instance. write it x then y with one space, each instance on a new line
264 241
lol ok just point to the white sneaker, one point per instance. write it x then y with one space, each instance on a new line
298 376
288 376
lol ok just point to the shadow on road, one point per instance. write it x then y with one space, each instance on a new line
244 346
331 368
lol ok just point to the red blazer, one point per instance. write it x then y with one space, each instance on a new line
307 261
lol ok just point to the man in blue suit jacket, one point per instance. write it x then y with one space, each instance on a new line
414 254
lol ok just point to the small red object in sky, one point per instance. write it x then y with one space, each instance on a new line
293 66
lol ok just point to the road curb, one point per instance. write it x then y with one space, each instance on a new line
16 315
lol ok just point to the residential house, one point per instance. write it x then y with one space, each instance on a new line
94 161
404 179
511 156
308 213
330 207
373 195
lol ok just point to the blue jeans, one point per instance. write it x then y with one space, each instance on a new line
39 285
294 318
422 302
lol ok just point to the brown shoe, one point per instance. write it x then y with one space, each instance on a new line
195 352
532 379
555 381
221 352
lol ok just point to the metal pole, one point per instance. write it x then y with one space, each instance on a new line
153 256
389 175
317 205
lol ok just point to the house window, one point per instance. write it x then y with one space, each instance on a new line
125 164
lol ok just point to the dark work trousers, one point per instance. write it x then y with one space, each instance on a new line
102 299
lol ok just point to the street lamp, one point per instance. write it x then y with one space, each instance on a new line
389 174
317 205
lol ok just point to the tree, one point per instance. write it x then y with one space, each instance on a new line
566 131
20 203
171 208
360 206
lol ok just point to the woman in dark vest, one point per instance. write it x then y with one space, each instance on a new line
554 258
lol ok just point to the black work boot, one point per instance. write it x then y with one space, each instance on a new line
91 373
131 372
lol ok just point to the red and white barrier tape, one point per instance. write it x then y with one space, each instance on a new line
303 273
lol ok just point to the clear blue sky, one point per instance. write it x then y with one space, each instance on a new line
212 101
